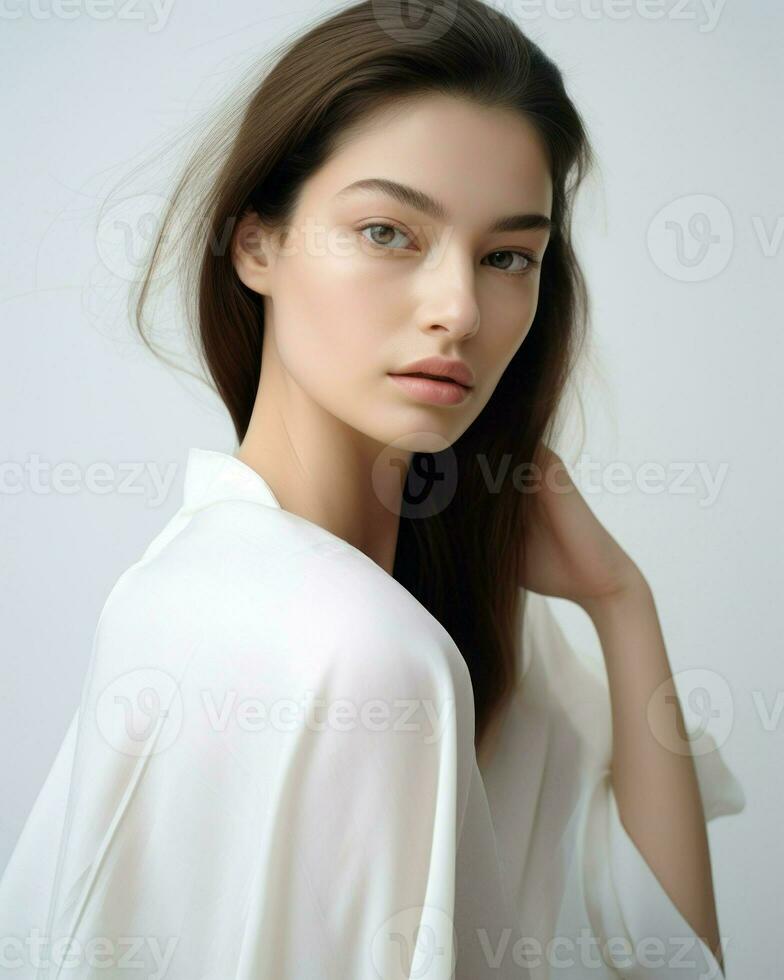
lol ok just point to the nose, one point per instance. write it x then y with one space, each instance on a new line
451 303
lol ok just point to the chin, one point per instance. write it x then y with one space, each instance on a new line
422 440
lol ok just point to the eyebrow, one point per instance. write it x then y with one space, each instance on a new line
421 201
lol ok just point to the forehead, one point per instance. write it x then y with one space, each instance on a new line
479 161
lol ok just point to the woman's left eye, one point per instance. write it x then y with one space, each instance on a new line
530 261
527 265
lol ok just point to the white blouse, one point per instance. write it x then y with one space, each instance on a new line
271 775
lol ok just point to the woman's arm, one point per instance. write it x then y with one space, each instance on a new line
568 553
655 787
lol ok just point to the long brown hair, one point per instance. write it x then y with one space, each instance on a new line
459 560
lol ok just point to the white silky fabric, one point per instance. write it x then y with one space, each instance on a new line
271 776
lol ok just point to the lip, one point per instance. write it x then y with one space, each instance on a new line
449 370
446 392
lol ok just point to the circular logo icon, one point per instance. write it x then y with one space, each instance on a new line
415 21
127 232
691 239
706 702
416 943
422 487
140 712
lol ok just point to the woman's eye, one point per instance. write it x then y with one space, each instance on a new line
528 263
386 238
383 235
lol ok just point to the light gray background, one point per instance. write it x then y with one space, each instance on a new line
683 103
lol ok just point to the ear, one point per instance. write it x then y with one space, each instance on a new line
251 252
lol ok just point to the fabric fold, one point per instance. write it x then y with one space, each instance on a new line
271 773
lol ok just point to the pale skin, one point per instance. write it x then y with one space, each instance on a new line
345 305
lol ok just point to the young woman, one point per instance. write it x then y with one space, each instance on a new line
330 726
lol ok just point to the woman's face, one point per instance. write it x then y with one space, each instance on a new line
367 281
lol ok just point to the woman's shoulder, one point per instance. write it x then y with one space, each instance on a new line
237 580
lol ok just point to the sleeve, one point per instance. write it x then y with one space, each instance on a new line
26 883
368 826
294 820
641 933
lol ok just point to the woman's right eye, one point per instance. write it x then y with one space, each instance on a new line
386 241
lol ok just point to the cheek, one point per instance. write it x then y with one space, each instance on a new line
332 323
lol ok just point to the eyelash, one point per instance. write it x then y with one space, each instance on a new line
532 262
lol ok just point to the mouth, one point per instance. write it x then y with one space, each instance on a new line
431 388
433 377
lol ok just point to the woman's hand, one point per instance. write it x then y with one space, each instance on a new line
568 552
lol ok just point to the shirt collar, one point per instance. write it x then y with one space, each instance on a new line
211 476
